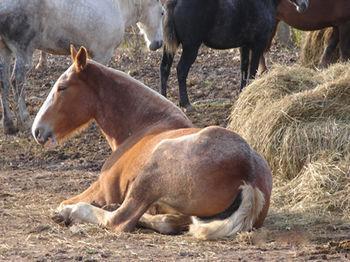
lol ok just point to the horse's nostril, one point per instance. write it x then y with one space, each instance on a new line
42 135
37 133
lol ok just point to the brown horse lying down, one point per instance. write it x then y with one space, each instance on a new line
160 162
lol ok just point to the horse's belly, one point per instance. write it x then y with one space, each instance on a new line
223 43
229 37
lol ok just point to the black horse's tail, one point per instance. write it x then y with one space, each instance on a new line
171 41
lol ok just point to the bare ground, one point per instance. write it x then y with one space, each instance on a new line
33 181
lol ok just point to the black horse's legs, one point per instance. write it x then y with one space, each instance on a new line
244 65
262 63
330 49
188 56
257 52
165 66
344 42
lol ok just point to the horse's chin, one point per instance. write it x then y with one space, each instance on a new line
155 45
51 143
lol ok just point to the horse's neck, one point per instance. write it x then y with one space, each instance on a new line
131 10
128 108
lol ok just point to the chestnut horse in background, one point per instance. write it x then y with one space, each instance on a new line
210 175
320 14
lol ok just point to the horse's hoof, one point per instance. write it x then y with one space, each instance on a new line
60 219
25 124
10 129
189 109
40 67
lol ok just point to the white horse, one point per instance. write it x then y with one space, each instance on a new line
52 25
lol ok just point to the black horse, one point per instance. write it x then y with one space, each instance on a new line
219 24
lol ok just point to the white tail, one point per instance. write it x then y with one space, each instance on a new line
242 220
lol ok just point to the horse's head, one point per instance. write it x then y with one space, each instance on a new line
301 5
150 23
69 106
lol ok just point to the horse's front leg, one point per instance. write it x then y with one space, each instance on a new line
262 62
344 41
93 195
102 193
256 55
244 53
140 197
5 60
23 62
326 58
188 56
42 61
124 219
69 210
165 66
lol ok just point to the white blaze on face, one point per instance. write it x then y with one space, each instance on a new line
48 102
150 23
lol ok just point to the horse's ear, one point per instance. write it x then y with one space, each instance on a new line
73 52
81 59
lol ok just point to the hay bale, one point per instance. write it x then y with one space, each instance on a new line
322 187
313 46
292 116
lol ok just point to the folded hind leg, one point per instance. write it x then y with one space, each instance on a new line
5 60
168 224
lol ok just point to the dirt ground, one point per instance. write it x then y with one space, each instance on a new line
34 180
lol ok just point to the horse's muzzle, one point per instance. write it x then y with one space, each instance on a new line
43 135
155 45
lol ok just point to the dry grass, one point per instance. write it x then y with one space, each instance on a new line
299 120
322 187
313 45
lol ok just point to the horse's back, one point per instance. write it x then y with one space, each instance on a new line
53 25
223 24
320 14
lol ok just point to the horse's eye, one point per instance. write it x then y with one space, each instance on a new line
61 88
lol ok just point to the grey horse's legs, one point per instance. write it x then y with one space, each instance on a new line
23 62
42 61
5 61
